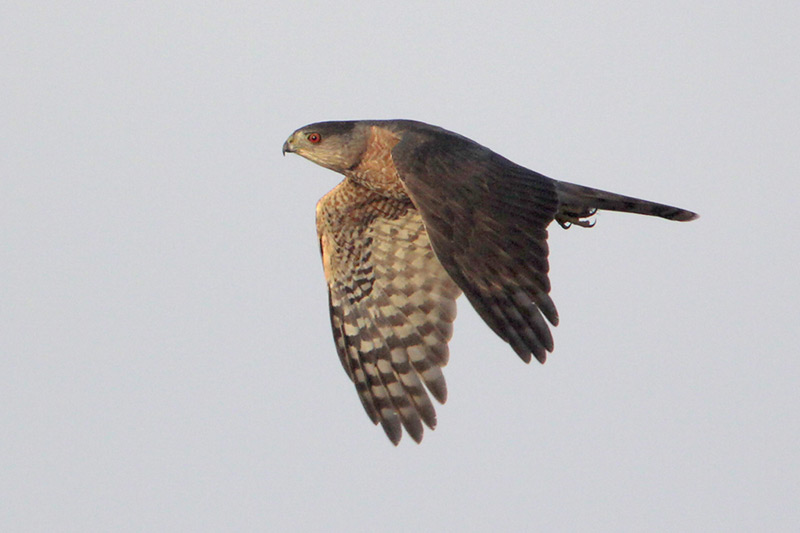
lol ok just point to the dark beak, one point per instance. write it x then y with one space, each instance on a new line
287 148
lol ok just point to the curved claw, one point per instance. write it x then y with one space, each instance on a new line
567 218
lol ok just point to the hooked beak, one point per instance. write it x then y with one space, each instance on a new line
287 146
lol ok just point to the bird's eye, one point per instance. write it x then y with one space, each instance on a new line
314 137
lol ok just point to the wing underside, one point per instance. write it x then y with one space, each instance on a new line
392 306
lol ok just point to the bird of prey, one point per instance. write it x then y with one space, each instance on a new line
421 215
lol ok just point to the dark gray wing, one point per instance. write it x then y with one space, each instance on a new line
486 218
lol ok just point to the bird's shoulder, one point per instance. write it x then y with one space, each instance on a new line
346 216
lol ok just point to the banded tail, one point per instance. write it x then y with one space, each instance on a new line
577 200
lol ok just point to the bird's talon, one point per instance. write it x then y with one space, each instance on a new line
566 220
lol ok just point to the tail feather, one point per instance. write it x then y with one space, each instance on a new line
579 199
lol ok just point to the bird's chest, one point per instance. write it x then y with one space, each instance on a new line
376 170
349 219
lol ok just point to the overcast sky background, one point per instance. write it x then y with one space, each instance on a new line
166 361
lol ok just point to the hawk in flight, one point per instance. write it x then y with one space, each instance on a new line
421 215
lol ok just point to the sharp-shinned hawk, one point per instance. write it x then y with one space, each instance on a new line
422 215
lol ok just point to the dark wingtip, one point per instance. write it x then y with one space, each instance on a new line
439 390
394 438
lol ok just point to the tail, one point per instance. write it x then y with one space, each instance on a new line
577 199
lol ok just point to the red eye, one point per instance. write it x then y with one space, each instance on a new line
314 138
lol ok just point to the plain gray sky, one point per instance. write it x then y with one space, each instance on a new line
166 361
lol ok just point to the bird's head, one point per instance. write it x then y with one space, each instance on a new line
334 145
